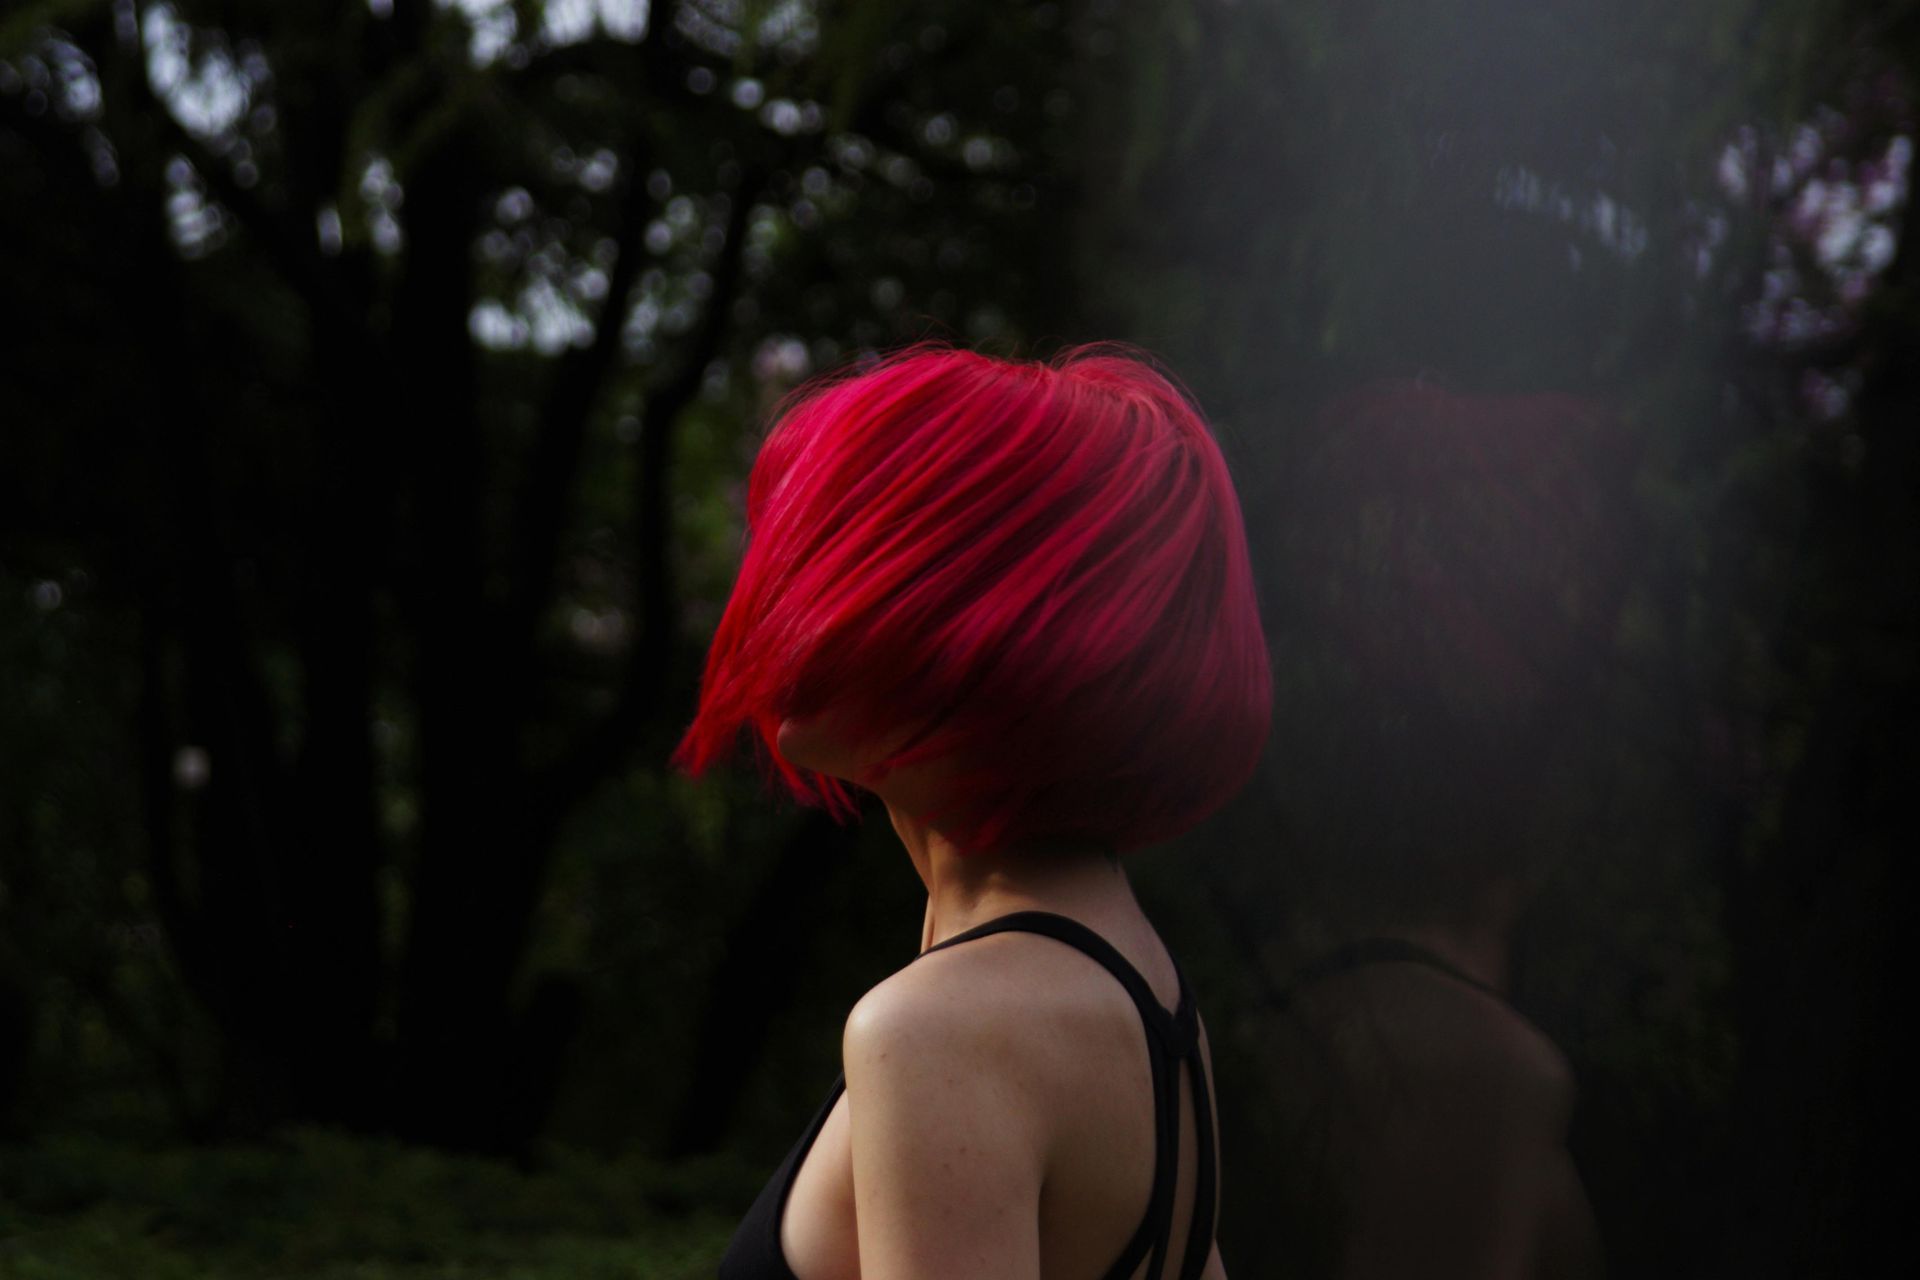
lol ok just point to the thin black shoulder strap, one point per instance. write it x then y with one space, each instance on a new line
1176 1030
1178 1036
1377 950
1200 1232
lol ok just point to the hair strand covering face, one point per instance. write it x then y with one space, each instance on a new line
1034 572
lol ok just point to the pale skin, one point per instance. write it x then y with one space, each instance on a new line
1448 1112
998 1118
1508 1101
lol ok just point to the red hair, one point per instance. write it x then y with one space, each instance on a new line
1469 546
1034 571
1456 571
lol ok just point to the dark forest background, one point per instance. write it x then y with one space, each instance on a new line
377 383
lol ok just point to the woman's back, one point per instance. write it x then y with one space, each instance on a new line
1006 1077
1423 1129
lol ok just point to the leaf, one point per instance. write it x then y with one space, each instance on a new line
849 43
20 31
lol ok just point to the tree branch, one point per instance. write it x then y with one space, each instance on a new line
600 749
293 254
648 671
573 390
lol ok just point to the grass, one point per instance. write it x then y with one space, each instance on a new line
317 1205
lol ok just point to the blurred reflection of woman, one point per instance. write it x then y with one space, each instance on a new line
1012 599
1457 566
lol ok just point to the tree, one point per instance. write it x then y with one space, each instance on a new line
419 343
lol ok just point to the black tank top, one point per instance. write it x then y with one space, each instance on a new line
1172 1039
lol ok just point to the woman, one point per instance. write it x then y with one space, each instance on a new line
1456 574
1012 600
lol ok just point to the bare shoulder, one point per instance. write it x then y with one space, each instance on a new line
1037 1025
920 1038
933 1074
918 1009
1517 1059
1430 1033
995 996
1505 1041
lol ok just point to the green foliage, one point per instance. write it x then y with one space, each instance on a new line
26 22
313 464
1282 199
320 1206
99 1028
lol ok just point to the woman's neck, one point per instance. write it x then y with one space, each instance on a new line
963 890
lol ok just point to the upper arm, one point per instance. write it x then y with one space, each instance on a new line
1465 1168
947 1154
1569 1243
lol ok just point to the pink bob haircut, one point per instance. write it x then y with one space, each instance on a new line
1034 572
